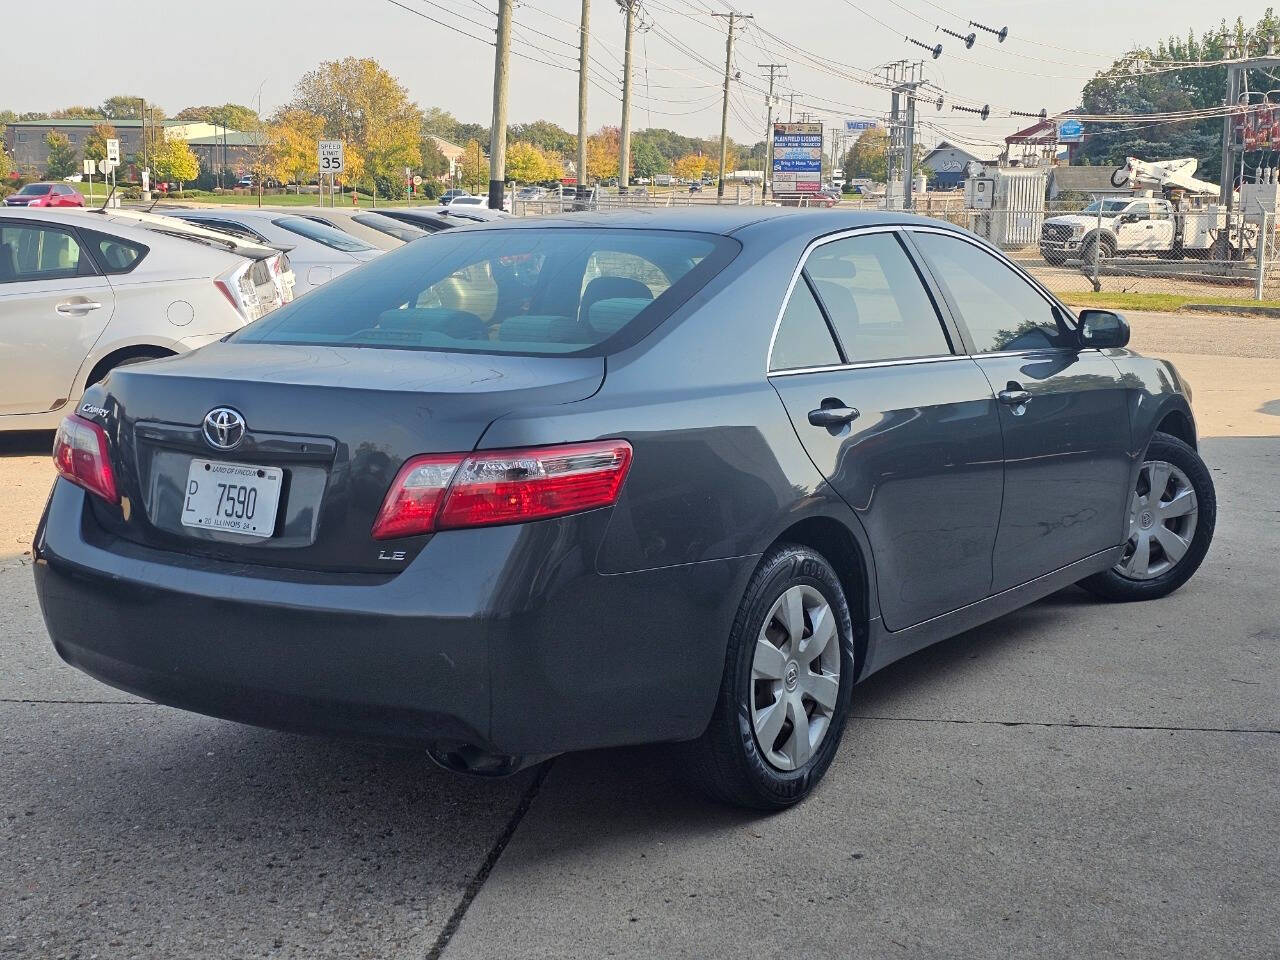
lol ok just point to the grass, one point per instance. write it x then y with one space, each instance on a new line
1161 302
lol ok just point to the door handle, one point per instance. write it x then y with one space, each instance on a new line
836 415
1013 395
77 308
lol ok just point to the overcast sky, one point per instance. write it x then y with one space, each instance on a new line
212 53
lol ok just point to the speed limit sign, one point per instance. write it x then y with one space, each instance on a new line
329 156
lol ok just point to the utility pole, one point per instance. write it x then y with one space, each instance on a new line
791 111
582 100
624 144
773 69
724 107
498 133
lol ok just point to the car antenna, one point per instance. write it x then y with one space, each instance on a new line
103 208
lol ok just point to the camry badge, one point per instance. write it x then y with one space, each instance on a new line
223 428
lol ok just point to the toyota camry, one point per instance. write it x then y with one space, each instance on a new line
555 484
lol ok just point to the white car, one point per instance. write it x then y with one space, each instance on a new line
469 201
82 293
317 251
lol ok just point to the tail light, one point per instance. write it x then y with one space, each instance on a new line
237 286
80 455
447 491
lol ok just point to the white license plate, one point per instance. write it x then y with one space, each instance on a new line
232 497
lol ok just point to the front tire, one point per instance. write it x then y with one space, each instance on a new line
1173 510
784 697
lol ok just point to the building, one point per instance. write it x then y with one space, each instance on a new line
452 152
945 165
24 140
226 150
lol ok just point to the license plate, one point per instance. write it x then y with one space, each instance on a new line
232 497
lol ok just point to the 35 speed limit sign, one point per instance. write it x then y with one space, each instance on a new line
330 156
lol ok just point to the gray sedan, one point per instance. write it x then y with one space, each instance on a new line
558 484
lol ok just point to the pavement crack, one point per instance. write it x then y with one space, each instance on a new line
477 882
1073 725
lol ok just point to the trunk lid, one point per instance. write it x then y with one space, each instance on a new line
335 422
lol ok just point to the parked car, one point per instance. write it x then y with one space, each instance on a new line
427 219
452 194
45 195
82 294
487 494
368 225
317 251
468 201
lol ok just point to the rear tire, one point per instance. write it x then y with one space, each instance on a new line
1167 542
754 753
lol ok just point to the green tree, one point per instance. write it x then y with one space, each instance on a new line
647 159
95 143
545 135
868 157
233 116
126 107
174 161
63 161
78 113
6 166
434 163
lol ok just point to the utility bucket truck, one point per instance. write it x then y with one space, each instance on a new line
1184 221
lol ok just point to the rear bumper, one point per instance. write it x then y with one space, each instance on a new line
504 638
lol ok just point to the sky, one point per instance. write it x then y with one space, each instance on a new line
241 52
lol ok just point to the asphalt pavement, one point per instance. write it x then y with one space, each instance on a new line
1077 779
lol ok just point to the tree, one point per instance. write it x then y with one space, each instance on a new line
435 164
545 135
868 157
95 143
63 161
78 113
602 153
525 164
6 166
174 160
293 135
370 111
233 116
125 107
473 166
648 160
690 167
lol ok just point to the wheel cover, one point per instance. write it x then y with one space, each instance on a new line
1162 521
795 677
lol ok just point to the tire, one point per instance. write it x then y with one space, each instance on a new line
1126 580
728 762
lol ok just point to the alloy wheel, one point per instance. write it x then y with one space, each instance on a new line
795 677
1162 521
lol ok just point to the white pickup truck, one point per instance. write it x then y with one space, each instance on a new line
1136 227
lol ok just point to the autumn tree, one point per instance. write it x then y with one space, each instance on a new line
370 111
525 163
95 142
78 113
174 160
62 160
293 135
602 153
690 167
473 166
868 157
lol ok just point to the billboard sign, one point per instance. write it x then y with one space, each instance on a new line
857 126
1070 131
797 157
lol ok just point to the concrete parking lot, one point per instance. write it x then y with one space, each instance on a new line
1074 780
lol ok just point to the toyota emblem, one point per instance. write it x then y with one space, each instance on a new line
223 428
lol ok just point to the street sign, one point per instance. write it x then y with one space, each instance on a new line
330 156
89 168
113 150
1070 131
105 167
797 157
417 180
854 126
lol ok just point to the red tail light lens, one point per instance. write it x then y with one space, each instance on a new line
440 492
80 455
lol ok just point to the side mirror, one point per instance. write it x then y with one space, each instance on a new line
1102 328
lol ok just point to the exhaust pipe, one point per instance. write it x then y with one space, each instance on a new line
472 760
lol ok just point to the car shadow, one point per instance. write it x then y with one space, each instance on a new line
26 443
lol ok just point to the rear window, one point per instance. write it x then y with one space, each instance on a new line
392 228
535 291
322 233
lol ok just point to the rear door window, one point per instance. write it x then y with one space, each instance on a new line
40 252
526 291
876 300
